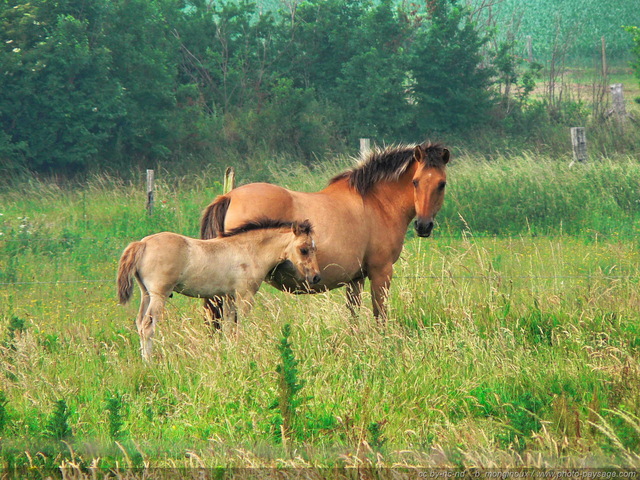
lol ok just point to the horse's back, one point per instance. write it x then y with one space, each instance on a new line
165 252
336 214
255 200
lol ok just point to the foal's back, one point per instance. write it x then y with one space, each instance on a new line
193 267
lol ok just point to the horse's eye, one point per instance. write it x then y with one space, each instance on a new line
442 185
415 183
304 251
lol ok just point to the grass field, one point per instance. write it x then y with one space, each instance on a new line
513 338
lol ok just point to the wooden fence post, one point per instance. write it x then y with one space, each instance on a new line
150 186
579 143
365 146
619 110
229 180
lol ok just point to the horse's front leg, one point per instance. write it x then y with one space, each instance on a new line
245 301
354 295
380 282
213 312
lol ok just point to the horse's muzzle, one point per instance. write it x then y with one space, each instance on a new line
424 227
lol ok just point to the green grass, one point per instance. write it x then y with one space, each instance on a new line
513 336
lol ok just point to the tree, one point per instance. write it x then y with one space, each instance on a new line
635 50
451 81
373 83
59 102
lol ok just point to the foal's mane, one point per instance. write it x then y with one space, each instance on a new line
388 164
265 223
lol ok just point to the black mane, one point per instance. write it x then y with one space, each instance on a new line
263 223
388 164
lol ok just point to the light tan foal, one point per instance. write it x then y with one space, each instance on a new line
232 267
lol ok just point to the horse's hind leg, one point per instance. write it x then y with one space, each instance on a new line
213 312
146 327
354 295
231 312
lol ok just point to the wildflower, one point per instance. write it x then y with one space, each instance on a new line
16 50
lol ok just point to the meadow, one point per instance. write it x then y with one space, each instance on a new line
513 338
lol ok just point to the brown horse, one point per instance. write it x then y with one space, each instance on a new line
361 219
232 266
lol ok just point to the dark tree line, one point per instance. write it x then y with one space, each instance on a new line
86 83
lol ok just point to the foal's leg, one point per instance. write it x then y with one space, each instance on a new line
144 305
245 302
354 295
380 282
147 327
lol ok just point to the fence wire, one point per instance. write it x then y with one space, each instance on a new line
399 277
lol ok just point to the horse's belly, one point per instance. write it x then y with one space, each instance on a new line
198 291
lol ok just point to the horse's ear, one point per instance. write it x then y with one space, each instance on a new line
418 154
445 155
295 228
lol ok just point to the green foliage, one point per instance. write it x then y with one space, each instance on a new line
534 195
16 327
635 50
4 414
115 406
372 84
376 435
451 88
289 385
140 81
582 25
57 426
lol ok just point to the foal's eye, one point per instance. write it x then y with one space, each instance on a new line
415 183
304 251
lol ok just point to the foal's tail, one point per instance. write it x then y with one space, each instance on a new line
212 222
126 268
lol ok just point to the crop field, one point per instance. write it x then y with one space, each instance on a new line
513 337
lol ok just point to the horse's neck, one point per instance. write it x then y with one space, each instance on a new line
396 197
267 247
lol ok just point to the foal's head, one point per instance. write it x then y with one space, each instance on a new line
429 182
301 251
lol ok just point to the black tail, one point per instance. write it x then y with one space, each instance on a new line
212 223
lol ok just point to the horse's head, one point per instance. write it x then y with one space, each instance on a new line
302 252
429 182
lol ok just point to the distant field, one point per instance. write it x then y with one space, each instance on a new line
513 338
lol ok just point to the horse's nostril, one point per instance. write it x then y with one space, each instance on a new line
316 279
423 229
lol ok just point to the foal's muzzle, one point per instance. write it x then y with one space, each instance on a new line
424 227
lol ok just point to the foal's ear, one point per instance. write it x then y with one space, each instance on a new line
445 155
418 154
295 228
